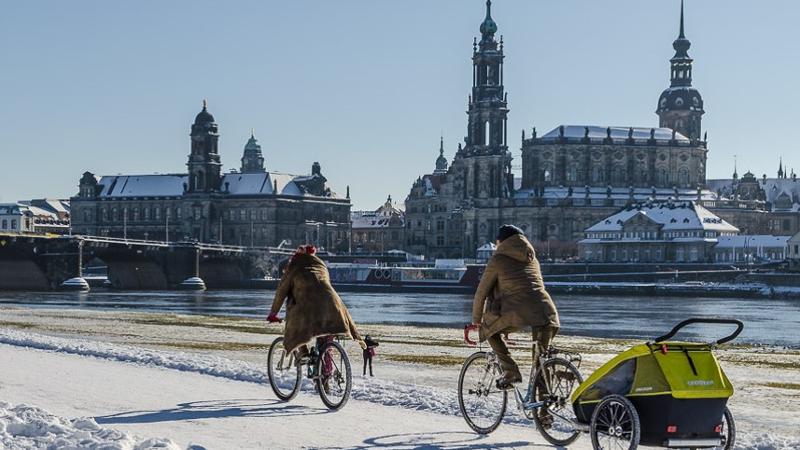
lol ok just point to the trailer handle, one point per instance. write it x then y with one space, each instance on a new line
730 337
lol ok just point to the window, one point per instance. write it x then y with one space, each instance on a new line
13 224
178 213
157 213
242 215
146 213
231 215
440 225
5 226
252 214
136 214
263 214
439 240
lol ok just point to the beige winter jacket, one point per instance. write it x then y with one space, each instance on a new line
313 308
511 293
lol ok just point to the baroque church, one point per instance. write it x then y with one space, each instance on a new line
248 207
572 176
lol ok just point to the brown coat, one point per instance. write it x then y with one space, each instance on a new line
511 293
313 308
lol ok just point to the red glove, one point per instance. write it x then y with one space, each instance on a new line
273 318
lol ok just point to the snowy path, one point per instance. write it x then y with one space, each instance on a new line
201 381
219 413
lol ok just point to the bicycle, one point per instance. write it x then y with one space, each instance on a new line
328 367
546 400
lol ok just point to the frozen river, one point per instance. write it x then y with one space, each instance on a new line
767 321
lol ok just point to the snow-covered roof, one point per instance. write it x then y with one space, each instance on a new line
260 183
172 185
169 185
774 189
678 215
619 134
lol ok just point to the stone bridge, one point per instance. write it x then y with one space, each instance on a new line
44 262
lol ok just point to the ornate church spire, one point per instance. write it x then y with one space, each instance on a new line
486 132
441 161
488 27
680 107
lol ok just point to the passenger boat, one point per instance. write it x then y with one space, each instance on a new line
453 276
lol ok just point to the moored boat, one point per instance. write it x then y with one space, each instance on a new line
443 275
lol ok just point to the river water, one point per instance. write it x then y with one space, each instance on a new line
767 321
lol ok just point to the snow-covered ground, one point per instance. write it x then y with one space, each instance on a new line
113 380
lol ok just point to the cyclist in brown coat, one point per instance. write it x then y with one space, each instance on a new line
510 297
313 308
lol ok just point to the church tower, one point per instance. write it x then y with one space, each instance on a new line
485 159
253 160
441 161
680 106
204 163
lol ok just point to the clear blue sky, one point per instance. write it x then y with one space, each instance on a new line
367 87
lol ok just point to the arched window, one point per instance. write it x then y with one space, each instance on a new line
683 177
597 175
135 217
572 174
114 214
5 224
146 213
157 213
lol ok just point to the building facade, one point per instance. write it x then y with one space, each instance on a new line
248 207
378 231
571 177
654 232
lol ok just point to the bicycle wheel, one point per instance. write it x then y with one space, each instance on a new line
335 378
482 404
615 424
554 383
284 375
728 431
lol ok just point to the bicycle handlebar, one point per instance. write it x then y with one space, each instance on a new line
469 327
728 338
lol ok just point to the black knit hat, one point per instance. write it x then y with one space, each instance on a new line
506 231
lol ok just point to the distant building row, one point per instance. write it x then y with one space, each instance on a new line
252 207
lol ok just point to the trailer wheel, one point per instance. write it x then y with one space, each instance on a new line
615 424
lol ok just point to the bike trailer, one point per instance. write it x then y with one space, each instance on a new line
678 389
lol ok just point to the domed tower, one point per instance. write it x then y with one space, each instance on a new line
252 161
680 106
204 163
441 161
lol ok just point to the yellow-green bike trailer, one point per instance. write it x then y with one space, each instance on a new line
674 392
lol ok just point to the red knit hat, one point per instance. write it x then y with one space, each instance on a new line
305 250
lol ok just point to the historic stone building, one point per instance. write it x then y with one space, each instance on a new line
654 232
380 230
249 207
572 177
763 205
